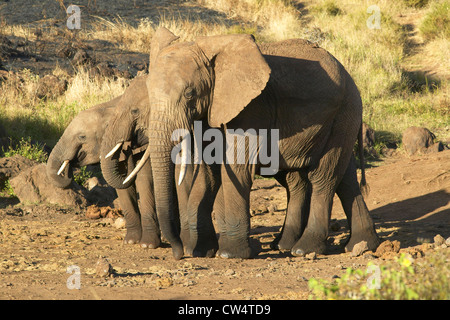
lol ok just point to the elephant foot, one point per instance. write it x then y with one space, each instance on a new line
206 249
177 251
150 240
239 250
283 243
307 245
369 236
133 236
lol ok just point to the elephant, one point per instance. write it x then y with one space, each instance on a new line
191 216
80 145
294 89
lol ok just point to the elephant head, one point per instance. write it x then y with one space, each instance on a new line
212 79
80 143
124 127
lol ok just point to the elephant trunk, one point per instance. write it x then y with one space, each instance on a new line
164 184
58 166
120 129
113 170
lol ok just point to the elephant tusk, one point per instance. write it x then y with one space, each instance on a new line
139 166
63 166
183 167
114 150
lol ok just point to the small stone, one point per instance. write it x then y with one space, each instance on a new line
311 256
439 240
359 248
103 268
91 183
447 242
230 272
120 223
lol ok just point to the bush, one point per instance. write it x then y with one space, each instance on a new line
27 150
404 279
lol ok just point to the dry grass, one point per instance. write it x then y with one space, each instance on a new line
45 120
394 96
277 20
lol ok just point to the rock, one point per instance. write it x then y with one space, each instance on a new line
91 183
32 186
50 86
387 247
10 167
359 249
120 223
311 256
229 272
416 139
439 240
447 242
103 268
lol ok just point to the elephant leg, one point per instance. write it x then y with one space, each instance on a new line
236 182
202 236
151 235
183 191
324 179
219 213
298 196
361 224
129 205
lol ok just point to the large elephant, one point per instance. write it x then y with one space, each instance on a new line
294 87
190 219
80 145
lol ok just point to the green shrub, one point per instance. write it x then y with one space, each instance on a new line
404 279
28 150
82 175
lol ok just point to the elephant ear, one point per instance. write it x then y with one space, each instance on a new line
161 39
241 73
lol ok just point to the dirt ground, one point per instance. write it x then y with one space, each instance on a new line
409 202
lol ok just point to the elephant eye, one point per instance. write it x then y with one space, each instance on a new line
189 93
135 111
82 137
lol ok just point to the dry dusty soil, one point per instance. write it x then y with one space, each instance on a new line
409 202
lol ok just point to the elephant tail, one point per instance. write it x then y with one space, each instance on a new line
363 186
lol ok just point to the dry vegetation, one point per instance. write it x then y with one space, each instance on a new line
403 79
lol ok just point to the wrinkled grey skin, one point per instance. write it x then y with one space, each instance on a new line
292 86
81 142
192 222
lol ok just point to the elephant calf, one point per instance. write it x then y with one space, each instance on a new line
80 145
